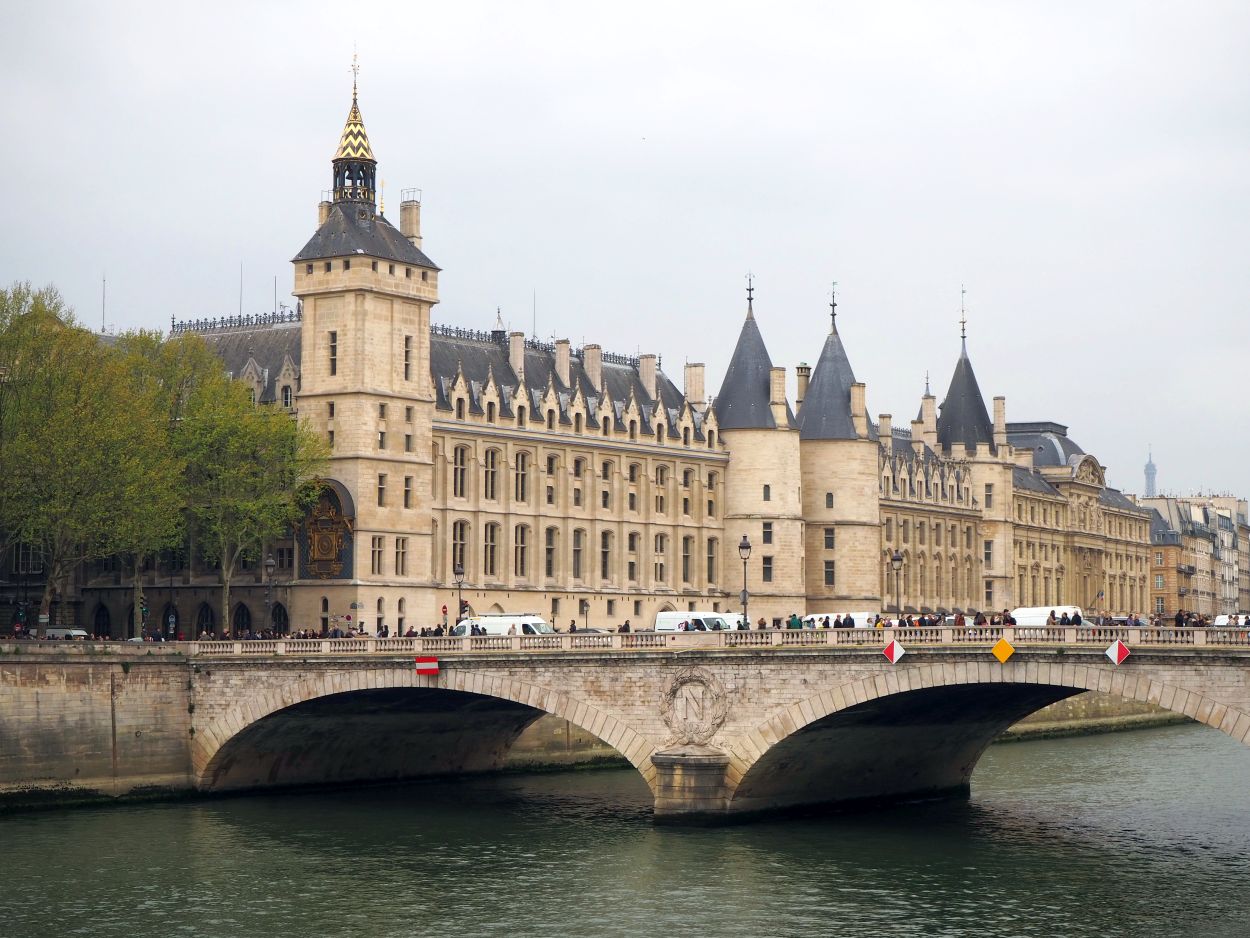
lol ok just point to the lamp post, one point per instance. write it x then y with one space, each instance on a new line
270 564
458 572
171 619
896 561
744 551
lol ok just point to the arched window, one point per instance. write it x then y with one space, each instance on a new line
633 472
579 542
605 555
325 615
459 471
490 475
520 546
399 621
551 420
522 477
577 423
490 544
286 395
711 438
460 408
685 436
459 541
633 429
551 547
520 415
380 616
490 412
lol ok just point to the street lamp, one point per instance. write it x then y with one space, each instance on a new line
458 572
744 551
896 561
270 565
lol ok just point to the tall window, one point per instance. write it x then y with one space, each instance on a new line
661 545
768 532
401 556
407 491
520 546
687 548
490 475
407 358
490 544
579 538
768 493
828 499
989 495
712 545
829 538
605 555
522 478
551 545
375 555
381 439
989 553
334 353
829 571
381 488
286 395
767 571
459 541
459 471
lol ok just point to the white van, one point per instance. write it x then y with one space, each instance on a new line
698 621
816 620
1034 616
74 635
505 623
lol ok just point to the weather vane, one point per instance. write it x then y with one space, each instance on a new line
833 306
963 316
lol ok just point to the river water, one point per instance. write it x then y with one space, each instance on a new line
1133 834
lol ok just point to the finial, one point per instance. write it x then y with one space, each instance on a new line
926 384
498 319
355 70
963 315
833 307
750 293
382 198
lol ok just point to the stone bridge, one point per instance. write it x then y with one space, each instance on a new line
717 725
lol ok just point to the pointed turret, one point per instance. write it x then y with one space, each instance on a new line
963 419
355 169
745 398
826 412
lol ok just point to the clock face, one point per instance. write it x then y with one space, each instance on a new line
324 546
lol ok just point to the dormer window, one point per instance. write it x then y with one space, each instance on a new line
286 395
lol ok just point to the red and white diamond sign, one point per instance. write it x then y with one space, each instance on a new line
427 665
893 652
1117 652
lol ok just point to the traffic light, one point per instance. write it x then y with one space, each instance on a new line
143 609
21 613
464 608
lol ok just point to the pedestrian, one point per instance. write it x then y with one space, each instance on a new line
624 626
572 625
795 622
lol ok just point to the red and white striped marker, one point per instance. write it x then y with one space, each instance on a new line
1117 652
427 665
893 652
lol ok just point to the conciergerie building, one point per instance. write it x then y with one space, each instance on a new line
584 485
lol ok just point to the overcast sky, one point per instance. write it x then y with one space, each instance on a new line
1080 167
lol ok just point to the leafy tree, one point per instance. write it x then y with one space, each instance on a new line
251 473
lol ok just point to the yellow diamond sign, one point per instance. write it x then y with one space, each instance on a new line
1003 650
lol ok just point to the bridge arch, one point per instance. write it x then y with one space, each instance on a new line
809 751
215 745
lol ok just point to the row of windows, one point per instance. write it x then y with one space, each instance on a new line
578 556
332 348
373 265
401 607
922 533
954 490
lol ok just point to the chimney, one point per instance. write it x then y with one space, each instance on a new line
1000 422
917 437
885 430
694 384
777 394
646 374
323 212
928 417
592 362
562 361
804 373
859 410
410 221
516 354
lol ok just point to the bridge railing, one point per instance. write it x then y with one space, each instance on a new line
868 638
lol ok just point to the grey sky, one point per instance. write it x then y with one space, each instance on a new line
1080 167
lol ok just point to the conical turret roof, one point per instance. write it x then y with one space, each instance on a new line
826 410
354 144
963 418
744 399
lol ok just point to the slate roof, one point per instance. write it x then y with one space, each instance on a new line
351 228
1048 440
267 345
826 410
744 399
1114 498
1029 480
481 356
962 418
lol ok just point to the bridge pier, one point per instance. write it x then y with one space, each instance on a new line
690 784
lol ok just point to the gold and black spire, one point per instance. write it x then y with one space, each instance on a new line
355 169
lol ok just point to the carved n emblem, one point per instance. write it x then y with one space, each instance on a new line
694 706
